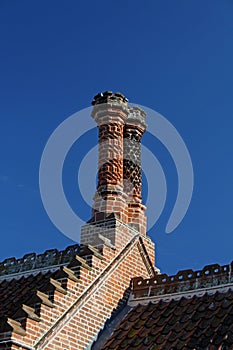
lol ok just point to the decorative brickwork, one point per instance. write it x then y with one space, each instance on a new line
64 308
119 189
110 111
61 300
133 130
106 293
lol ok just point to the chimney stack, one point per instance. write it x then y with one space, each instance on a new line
134 128
117 212
110 112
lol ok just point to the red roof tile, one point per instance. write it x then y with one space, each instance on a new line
192 310
156 328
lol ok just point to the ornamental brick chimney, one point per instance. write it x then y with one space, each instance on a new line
134 128
110 113
117 212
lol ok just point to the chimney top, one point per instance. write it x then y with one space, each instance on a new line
137 115
109 96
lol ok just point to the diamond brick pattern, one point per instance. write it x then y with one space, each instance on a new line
133 131
132 164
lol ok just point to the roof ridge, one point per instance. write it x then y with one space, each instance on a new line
161 286
32 262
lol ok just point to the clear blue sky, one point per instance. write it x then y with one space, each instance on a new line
175 57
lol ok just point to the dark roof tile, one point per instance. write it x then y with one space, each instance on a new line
28 282
196 322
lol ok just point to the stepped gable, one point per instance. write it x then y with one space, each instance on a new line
29 283
191 310
42 304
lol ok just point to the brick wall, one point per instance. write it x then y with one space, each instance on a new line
82 324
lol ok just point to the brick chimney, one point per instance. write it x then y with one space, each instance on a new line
117 212
110 113
134 128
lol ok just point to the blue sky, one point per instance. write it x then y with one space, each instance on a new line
172 56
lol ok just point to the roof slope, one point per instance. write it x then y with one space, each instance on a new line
197 323
32 281
60 300
23 281
192 310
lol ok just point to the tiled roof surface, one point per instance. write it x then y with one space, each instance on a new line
16 292
197 323
192 310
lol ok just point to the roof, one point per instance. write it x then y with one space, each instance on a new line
66 297
28 282
191 310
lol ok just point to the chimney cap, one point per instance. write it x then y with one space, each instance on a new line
108 96
137 115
